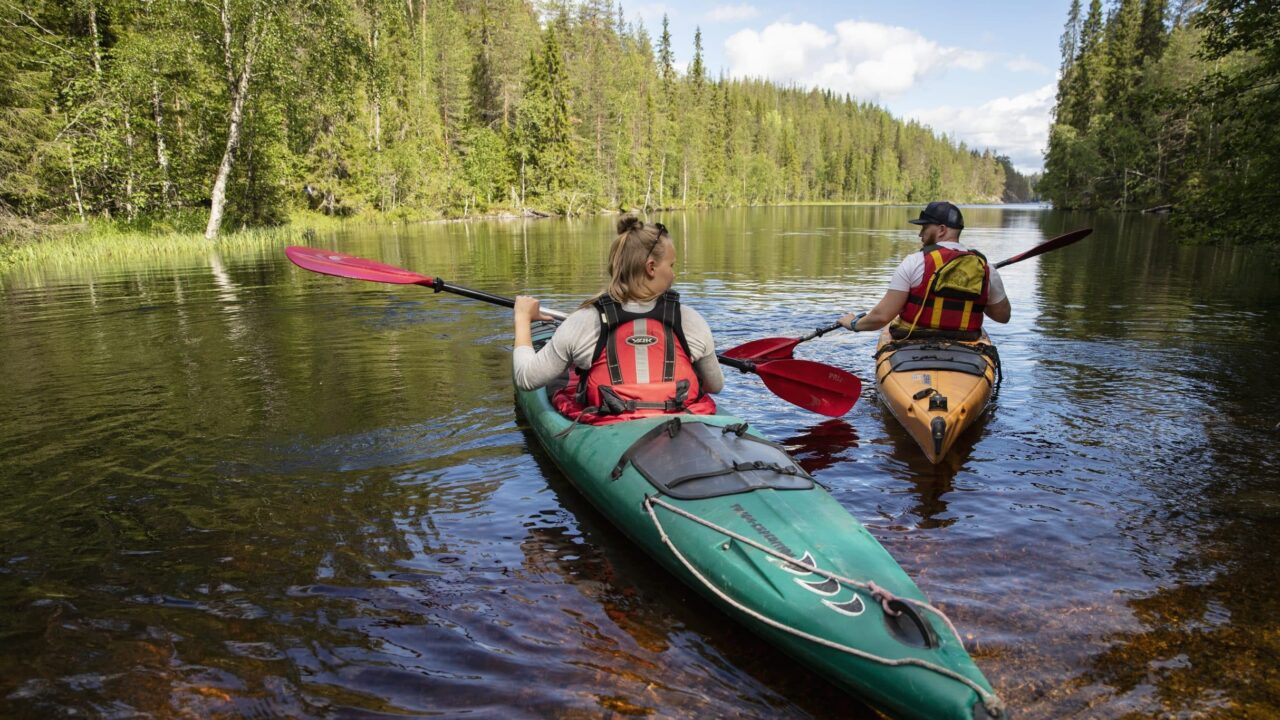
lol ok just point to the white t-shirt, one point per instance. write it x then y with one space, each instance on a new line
910 273
575 342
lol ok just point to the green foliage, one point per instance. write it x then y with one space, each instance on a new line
258 195
1018 188
486 166
545 150
121 111
25 91
1181 115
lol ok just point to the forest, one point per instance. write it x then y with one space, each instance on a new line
198 116
1172 108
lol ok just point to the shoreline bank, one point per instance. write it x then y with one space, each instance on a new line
69 243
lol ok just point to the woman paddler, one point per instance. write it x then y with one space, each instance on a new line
634 350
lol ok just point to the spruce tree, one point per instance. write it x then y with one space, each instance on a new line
1152 35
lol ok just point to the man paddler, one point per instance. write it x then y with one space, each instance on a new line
944 290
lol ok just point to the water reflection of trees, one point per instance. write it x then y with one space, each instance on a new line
1182 333
243 459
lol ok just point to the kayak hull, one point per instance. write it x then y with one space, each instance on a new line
938 392
786 563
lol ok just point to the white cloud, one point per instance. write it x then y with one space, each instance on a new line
1014 126
732 13
866 59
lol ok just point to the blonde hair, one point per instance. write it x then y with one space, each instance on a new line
629 255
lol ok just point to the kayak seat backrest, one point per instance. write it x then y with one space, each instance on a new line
692 460
957 358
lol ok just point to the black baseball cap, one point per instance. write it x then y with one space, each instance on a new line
940 213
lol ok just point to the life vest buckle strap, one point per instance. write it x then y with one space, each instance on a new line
612 404
680 401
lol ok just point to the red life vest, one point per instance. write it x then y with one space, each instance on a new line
933 309
641 368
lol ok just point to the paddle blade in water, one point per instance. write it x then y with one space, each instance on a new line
331 262
775 348
811 385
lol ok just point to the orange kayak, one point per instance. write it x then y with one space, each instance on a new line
935 388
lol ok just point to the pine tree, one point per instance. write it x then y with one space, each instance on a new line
1083 85
697 71
665 109
453 68
544 147
1123 61
1241 102
25 91
666 60
485 89
1070 37
1152 35
1068 45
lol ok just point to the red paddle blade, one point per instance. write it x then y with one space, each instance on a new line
776 348
811 385
331 262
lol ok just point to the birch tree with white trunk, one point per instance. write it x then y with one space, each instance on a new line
243 35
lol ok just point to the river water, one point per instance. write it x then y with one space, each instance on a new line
232 488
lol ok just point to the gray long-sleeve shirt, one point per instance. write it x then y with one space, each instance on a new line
575 341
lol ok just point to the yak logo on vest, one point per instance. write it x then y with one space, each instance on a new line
641 340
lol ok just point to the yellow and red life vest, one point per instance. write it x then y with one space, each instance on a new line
641 368
934 307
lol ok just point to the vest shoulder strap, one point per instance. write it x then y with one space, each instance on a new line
666 310
968 251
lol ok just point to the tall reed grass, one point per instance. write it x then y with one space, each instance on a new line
35 255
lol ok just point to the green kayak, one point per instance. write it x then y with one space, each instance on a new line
734 517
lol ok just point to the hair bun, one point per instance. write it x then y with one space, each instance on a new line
627 223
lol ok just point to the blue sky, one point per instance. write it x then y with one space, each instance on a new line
984 73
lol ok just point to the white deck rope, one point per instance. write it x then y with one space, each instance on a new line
989 699
870 586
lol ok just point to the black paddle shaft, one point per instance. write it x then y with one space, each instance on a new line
820 332
745 366
441 286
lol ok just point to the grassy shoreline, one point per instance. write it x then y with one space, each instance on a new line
53 245
71 247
